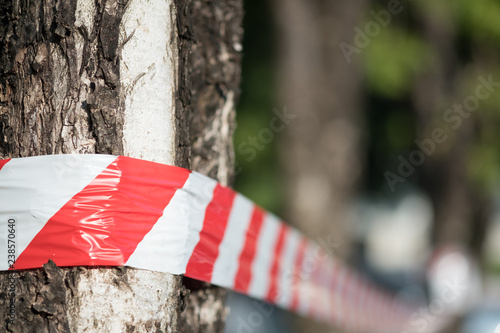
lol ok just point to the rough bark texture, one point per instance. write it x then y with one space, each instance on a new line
59 80
57 300
322 148
205 309
215 75
60 93
211 76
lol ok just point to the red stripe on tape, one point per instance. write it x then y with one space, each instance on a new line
3 162
244 274
201 263
272 293
106 212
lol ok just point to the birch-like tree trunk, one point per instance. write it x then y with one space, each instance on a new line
152 79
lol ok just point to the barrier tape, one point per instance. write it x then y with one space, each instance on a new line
101 210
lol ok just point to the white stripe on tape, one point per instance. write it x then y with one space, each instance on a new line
226 265
263 260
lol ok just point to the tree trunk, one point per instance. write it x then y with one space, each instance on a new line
117 77
461 210
322 148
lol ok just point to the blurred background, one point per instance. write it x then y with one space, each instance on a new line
376 124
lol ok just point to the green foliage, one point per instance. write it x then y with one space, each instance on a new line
479 19
258 176
397 56
483 161
399 131
483 155
392 61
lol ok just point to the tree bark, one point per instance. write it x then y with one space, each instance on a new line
118 77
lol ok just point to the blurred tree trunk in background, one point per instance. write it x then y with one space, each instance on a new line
322 149
76 77
461 209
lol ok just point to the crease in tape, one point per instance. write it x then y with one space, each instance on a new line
102 210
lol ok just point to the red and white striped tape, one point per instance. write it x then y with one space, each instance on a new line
100 210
